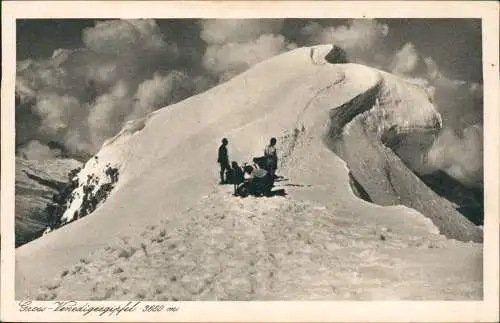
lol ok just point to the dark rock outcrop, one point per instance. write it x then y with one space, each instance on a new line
337 56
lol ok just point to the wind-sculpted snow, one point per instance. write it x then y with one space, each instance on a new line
357 134
331 121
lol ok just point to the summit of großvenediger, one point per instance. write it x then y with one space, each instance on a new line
330 121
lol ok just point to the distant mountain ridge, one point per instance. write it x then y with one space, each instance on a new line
36 183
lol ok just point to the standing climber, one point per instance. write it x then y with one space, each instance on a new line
271 157
223 160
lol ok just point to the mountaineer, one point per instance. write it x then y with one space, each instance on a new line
257 181
238 176
271 158
223 160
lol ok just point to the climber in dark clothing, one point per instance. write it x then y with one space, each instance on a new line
256 181
237 175
271 158
223 160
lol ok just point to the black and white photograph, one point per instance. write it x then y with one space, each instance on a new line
318 158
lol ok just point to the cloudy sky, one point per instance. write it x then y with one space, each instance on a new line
79 80
455 44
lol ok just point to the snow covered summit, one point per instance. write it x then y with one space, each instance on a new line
334 124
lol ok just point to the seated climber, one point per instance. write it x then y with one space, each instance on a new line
237 175
242 189
257 181
262 182
247 173
261 162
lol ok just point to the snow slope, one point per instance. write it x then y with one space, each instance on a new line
167 164
284 248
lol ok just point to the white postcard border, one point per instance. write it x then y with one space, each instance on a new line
451 311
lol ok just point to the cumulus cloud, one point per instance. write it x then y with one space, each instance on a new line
235 45
358 34
38 151
117 37
458 148
160 90
408 61
80 97
460 103
106 115
221 31
55 112
362 39
460 154
231 59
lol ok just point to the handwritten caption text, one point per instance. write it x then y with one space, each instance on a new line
86 308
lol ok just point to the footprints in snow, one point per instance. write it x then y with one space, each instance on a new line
263 240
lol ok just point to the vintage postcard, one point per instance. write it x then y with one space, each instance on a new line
250 161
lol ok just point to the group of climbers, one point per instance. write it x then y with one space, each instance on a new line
256 179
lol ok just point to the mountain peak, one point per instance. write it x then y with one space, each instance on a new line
333 121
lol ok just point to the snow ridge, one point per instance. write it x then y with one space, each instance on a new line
394 109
